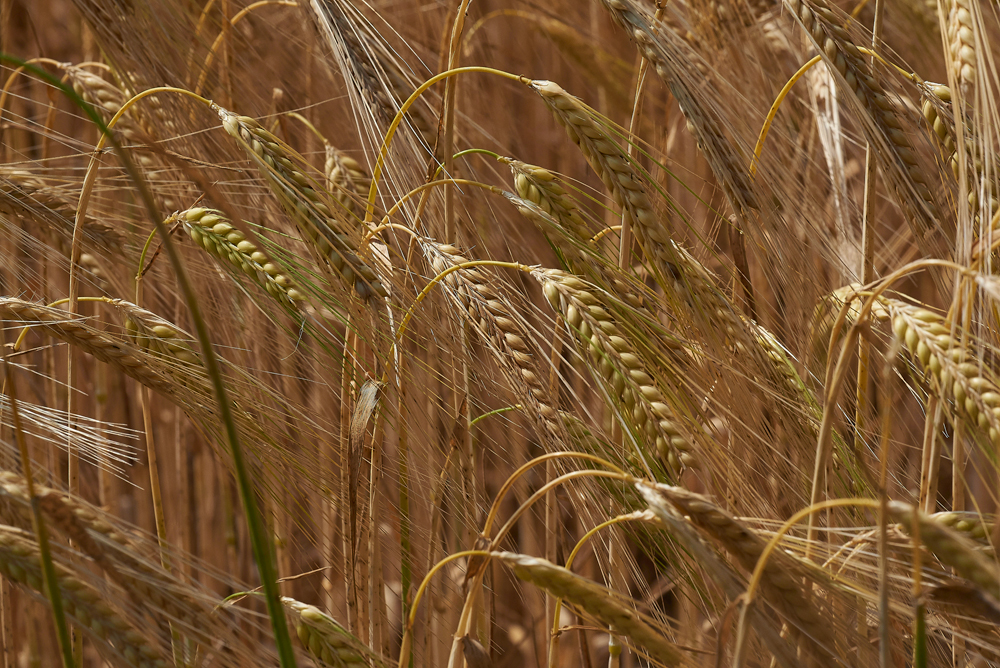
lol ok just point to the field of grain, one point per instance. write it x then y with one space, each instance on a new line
364 334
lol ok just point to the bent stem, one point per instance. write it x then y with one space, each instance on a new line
742 630
258 533
222 34
391 132
640 516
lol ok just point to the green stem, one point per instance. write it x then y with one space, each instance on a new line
258 536
49 581
496 412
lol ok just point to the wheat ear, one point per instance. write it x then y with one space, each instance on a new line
156 334
20 563
73 330
698 550
299 196
373 67
584 258
327 641
108 99
951 547
897 158
938 112
211 230
781 588
962 43
542 200
28 197
493 317
347 180
149 587
611 164
692 284
950 363
677 63
599 602
632 387
539 185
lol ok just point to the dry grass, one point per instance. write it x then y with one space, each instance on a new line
355 376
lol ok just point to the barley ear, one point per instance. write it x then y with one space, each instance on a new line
599 602
328 642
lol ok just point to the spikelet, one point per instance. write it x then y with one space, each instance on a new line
299 196
969 524
211 230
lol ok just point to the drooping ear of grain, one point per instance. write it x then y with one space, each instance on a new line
211 230
300 196
495 320
633 389
952 365
117 640
596 601
327 641
779 585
